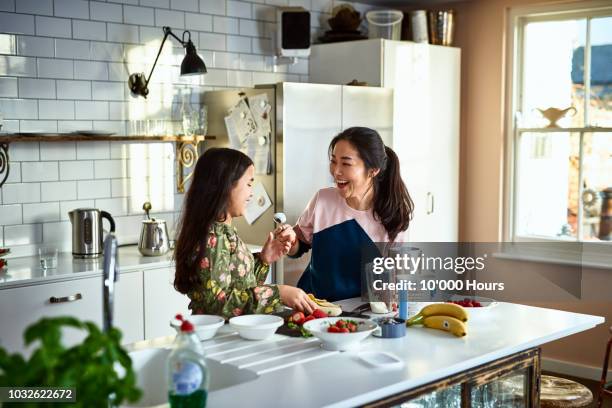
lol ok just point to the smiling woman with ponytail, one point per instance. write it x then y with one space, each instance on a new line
368 204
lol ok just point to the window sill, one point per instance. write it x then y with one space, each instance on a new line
565 258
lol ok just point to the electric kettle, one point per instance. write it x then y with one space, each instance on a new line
87 231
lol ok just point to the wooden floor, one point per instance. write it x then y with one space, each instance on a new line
593 386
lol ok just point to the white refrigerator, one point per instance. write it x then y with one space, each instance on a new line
304 119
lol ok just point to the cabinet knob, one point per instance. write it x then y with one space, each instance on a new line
65 299
430 203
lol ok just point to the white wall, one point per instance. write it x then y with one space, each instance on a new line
64 66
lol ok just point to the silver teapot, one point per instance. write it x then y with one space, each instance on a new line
154 239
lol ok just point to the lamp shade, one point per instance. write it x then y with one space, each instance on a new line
192 64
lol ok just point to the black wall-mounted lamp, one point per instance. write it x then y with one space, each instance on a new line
192 64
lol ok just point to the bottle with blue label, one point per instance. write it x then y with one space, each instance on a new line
187 373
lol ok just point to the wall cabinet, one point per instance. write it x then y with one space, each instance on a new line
425 80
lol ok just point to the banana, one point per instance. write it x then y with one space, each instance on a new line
446 323
328 307
442 309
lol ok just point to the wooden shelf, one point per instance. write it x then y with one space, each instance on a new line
75 137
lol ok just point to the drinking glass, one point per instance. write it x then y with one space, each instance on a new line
48 257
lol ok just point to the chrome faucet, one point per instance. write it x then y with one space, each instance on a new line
111 274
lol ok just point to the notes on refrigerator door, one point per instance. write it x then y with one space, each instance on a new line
249 130
258 204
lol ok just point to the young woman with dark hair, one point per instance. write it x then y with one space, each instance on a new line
369 204
213 265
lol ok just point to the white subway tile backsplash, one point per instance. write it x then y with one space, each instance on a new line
120 187
106 51
108 91
67 206
89 30
55 68
185 5
115 206
112 126
201 22
36 88
225 25
123 33
7 5
90 70
91 110
226 60
74 49
301 3
40 212
76 170
251 28
39 171
138 15
264 13
14 171
250 62
238 44
106 11
59 191
93 150
72 8
53 27
8 87
16 23
215 77
24 151
212 6
50 151
35 46
53 109
262 46
7 44
58 234
238 9
73 89
105 169
240 78
48 126
19 108
11 214
17 66
321 6
67 126
173 19
44 7
280 3
20 193
155 3
26 234
209 41
93 189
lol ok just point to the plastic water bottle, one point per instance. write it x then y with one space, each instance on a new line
187 373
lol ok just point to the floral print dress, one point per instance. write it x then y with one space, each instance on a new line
232 280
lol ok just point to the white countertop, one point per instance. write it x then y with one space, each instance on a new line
298 373
25 271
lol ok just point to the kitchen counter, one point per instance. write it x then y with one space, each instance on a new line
25 271
298 373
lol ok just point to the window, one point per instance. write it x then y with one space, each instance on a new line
560 124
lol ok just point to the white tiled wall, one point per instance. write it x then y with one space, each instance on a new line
64 66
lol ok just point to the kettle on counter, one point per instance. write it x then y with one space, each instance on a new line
154 240
87 231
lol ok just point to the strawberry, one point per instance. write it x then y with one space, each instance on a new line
333 329
309 318
298 318
344 330
341 324
319 314
352 327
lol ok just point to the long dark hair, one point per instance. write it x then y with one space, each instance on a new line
393 206
206 201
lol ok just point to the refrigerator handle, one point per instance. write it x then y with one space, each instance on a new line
430 203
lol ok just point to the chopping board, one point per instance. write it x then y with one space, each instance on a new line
287 331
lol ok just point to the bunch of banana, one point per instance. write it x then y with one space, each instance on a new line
443 316
330 308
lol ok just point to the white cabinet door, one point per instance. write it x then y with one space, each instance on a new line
371 107
161 302
20 307
129 307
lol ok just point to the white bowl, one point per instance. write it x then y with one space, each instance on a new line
206 326
340 341
256 326
475 313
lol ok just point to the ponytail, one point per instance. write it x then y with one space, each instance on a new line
392 203
393 206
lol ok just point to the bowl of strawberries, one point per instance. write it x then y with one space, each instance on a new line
341 333
478 306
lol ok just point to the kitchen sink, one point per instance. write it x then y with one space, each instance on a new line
150 368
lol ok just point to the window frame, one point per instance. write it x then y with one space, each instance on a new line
598 253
